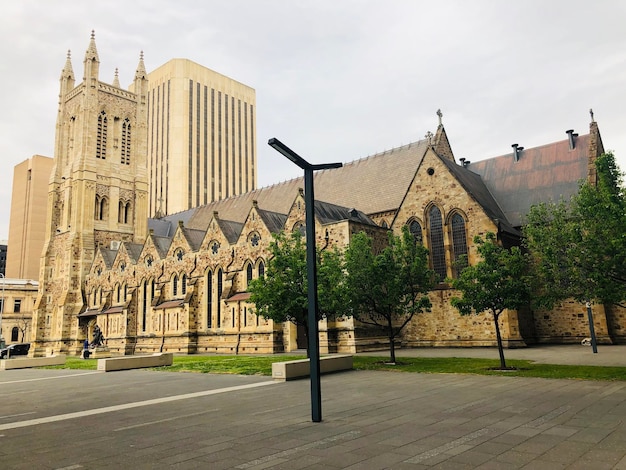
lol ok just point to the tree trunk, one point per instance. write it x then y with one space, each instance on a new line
392 346
499 338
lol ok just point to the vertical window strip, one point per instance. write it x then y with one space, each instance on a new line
245 143
437 251
212 144
226 148
233 146
198 173
239 144
219 145
253 178
205 136
190 148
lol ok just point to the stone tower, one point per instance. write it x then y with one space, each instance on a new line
97 193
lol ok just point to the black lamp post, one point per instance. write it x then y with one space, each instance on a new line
313 339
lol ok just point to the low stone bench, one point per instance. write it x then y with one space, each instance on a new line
289 370
135 362
27 362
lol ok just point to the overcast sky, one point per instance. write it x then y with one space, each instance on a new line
337 80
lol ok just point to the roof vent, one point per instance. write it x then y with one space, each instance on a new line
354 213
517 151
572 138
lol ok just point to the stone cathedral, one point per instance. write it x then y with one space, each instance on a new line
179 282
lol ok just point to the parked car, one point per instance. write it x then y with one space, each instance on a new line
18 349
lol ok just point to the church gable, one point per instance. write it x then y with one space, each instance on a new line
442 214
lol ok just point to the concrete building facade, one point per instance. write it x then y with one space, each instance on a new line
201 137
27 225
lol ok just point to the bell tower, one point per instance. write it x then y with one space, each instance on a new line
97 193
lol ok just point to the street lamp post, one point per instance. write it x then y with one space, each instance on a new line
313 339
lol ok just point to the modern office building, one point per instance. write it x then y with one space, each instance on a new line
201 137
27 225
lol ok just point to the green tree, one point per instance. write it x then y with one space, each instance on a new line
387 289
496 283
578 247
282 294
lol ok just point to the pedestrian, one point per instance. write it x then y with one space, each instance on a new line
86 349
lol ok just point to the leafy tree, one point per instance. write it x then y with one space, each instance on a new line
282 294
578 247
496 283
387 289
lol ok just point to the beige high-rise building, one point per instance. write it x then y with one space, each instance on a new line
27 225
201 137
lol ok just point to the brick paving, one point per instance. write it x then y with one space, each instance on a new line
59 419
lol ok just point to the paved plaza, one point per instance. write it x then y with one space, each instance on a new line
72 419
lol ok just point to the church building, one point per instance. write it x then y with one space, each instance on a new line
179 282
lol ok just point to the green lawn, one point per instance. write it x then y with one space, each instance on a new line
262 365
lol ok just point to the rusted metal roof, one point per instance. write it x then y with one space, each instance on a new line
541 174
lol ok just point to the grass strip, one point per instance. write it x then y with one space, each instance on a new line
262 365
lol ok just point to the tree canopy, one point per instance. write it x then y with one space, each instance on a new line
496 283
578 247
282 294
388 288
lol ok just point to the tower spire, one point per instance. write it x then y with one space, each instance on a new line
92 52
141 73
68 71
91 61
116 79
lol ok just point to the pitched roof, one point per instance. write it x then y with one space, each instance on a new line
134 250
194 237
541 174
328 213
476 187
373 184
274 221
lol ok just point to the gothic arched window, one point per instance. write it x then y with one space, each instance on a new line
175 285
261 269
248 274
459 243
416 230
436 247
209 299
219 297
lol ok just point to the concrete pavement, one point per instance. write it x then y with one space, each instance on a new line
61 419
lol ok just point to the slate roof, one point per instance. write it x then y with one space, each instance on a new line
194 237
108 256
162 245
134 250
542 174
474 185
274 221
328 213
373 184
